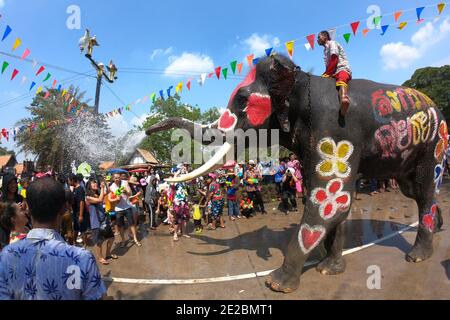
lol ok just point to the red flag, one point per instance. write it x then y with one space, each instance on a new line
365 31
25 54
210 75
355 26
188 85
250 59
41 69
311 39
239 67
47 95
218 72
14 74
397 15
54 84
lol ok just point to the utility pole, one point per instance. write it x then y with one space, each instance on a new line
87 43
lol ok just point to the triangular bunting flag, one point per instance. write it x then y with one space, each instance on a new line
397 15
355 26
63 93
233 66
47 77
307 46
311 39
210 75
203 78
34 64
365 31
16 44
7 32
25 54
54 84
419 12
14 74
377 20
347 37
47 95
168 91
218 72
144 100
38 90
179 87
188 85
290 48
255 61
269 51
5 66
59 88
250 58
402 25
440 7
332 33
24 79
384 29
239 67
41 69
32 85
153 97
225 73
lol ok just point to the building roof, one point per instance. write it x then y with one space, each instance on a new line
147 155
4 160
107 165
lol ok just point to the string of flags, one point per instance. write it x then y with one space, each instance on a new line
219 72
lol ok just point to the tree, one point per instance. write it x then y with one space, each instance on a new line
160 144
434 82
4 151
60 132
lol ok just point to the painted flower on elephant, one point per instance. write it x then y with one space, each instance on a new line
442 144
331 199
428 219
310 237
335 158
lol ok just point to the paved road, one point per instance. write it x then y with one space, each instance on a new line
245 247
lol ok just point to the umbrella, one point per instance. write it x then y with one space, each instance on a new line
117 170
138 171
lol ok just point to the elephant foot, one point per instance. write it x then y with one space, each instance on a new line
331 267
419 254
281 281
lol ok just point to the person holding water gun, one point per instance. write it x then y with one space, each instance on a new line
253 179
232 185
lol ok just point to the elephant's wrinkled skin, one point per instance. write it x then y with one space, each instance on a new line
389 132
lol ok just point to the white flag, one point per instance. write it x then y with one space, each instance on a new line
307 46
203 78
24 79
332 33
34 63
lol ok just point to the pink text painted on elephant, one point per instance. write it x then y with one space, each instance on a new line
310 237
331 199
395 138
386 102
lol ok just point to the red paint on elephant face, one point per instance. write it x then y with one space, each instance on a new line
259 108
227 121
251 76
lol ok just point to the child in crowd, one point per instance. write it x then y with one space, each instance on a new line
232 185
197 216
246 206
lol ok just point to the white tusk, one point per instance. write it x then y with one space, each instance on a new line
213 164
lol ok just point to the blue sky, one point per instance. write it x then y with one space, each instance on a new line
189 37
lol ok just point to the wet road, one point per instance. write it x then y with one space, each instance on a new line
245 247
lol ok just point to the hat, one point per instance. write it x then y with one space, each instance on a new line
251 162
108 178
291 170
133 180
143 182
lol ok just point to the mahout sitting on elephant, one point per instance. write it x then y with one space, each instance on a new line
389 132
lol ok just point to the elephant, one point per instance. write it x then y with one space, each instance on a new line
389 132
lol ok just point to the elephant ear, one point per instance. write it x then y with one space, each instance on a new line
281 77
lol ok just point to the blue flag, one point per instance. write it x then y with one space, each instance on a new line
419 12
168 91
32 85
255 61
7 32
161 94
59 88
384 28
269 51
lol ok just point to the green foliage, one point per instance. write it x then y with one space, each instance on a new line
61 136
160 144
434 82
4 152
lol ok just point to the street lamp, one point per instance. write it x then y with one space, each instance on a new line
88 43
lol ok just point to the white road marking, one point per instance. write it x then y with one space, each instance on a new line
248 275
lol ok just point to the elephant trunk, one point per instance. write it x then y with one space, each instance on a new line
180 123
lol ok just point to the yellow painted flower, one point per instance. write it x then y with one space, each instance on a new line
335 158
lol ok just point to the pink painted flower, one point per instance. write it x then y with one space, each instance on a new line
428 219
331 199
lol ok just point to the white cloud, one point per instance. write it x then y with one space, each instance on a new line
443 62
119 127
258 44
159 52
2 3
189 63
397 55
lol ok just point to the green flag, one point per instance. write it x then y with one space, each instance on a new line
5 65
377 20
347 37
233 66
225 73
47 77
153 97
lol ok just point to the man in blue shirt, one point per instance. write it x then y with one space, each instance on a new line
42 266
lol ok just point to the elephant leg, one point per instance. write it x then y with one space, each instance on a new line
334 262
422 189
325 210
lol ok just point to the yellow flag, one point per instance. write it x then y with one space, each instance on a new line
38 90
64 93
441 7
290 48
179 87
402 25
16 44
